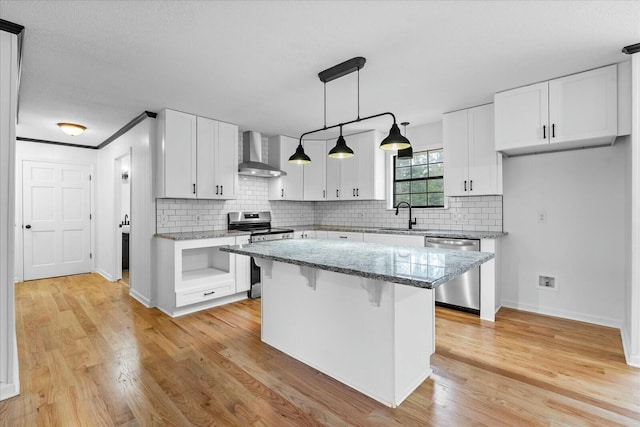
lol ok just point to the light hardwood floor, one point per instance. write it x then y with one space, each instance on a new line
91 355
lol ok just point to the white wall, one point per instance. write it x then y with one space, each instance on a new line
582 242
30 151
108 238
9 378
631 325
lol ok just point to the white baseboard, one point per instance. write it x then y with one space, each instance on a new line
571 315
104 274
632 359
203 306
141 298
8 391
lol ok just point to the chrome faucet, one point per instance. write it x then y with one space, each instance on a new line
411 223
126 220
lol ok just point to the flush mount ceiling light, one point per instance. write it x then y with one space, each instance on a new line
394 141
71 129
407 153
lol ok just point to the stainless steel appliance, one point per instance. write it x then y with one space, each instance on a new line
462 292
259 225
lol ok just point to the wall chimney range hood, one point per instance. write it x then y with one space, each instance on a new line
252 164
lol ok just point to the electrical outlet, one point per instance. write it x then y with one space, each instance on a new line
165 218
547 282
542 217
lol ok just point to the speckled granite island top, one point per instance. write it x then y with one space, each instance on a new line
420 267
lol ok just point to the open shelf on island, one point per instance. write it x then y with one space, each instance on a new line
201 273
205 262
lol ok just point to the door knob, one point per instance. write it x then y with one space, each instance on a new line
27 226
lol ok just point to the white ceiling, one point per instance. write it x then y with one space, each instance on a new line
255 63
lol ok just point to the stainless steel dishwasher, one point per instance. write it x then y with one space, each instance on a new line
462 292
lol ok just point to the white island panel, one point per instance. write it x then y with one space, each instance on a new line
374 336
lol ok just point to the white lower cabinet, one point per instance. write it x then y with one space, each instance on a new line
344 235
195 274
306 234
394 239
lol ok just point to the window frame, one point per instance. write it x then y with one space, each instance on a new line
394 181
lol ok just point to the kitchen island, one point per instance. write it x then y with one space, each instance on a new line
361 313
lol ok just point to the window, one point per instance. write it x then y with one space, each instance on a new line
420 180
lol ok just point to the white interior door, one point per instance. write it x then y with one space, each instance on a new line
56 219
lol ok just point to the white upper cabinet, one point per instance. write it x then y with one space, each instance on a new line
315 173
522 116
197 157
584 106
333 172
472 167
360 177
289 187
176 176
569 112
217 157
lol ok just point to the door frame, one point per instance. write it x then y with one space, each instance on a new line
19 230
117 209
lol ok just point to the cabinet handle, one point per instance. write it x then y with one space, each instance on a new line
357 192
544 131
209 293
282 192
217 189
354 192
343 237
324 194
194 189
337 194
465 185
221 190
471 185
553 130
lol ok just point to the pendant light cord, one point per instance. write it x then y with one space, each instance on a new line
358 93
325 105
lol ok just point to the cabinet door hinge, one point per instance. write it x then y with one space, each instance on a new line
90 255
90 216
89 177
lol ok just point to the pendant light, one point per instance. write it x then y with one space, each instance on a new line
341 150
393 141
299 157
71 129
406 153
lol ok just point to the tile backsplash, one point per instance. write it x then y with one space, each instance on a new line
476 213
176 215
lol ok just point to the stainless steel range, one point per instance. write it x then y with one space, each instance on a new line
259 225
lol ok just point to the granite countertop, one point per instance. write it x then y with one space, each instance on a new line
460 234
420 267
196 235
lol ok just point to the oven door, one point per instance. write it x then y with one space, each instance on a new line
256 286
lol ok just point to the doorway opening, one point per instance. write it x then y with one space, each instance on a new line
122 204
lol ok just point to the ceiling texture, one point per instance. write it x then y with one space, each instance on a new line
255 63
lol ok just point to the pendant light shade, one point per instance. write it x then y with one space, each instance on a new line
407 153
395 140
299 157
341 150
